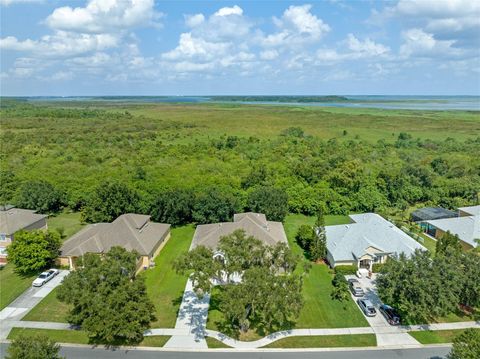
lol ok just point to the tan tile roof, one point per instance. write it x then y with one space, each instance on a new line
15 219
130 231
254 224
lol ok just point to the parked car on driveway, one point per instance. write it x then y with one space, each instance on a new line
355 287
367 307
44 277
390 314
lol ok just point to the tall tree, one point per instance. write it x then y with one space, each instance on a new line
33 347
466 345
214 205
32 251
41 196
174 207
109 200
448 242
318 247
304 236
271 201
108 301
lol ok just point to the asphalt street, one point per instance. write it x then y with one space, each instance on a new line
100 353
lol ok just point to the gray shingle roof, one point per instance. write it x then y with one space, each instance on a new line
15 219
347 242
130 231
254 224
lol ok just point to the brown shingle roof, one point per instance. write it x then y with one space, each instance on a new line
254 224
15 219
130 231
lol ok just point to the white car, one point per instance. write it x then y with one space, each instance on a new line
44 277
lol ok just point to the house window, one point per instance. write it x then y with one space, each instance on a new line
3 237
377 259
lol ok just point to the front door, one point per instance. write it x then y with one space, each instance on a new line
365 263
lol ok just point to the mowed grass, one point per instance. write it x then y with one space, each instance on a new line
319 310
80 337
12 284
68 222
437 336
326 341
165 287
50 309
215 343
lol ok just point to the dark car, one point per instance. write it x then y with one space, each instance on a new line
390 314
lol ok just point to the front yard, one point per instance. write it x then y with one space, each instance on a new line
436 336
319 310
12 284
326 341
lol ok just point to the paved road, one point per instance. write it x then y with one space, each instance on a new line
87 353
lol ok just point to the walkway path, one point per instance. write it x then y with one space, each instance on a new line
191 321
25 302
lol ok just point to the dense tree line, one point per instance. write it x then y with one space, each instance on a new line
148 157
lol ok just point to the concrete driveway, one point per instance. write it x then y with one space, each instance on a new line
387 335
26 301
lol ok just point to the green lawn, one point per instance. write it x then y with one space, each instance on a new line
68 222
80 337
326 341
319 310
429 243
436 336
50 309
12 284
164 286
215 343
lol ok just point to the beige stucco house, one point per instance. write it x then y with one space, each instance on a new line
254 224
130 231
369 239
13 220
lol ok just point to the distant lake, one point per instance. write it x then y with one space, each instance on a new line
471 103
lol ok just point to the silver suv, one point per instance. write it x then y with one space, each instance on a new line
355 287
367 307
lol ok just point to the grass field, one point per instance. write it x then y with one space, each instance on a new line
12 284
326 341
215 344
68 222
319 310
80 337
50 309
164 286
436 336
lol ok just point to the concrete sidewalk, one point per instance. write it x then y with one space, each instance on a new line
191 320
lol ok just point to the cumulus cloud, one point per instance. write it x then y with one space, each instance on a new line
100 16
366 48
189 47
10 2
226 11
422 44
194 20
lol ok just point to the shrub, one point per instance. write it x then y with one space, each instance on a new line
377 267
345 270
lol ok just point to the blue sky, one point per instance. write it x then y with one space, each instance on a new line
146 47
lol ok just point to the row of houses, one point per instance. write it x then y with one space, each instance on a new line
366 240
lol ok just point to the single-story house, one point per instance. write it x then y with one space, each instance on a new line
15 219
466 226
130 231
254 224
367 240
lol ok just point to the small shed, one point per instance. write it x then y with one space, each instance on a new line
432 213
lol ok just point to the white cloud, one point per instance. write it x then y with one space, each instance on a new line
100 16
269 54
190 47
366 48
11 2
422 44
194 20
227 11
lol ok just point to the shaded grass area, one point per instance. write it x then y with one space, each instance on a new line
319 310
12 284
325 341
215 343
437 336
80 337
165 287
67 222
50 309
